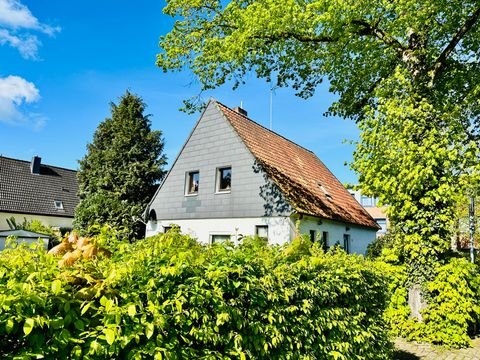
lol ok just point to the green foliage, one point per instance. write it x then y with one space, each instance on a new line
121 169
453 312
169 297
406 71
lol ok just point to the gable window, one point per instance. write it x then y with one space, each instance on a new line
346 243
220 238
58 205
224 179
261 231
192 182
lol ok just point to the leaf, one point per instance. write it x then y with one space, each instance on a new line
9 326
56 286
109 336
28 326
132 310
85 308
149 328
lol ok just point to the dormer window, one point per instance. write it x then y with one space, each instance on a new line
58 205
224 179
192 183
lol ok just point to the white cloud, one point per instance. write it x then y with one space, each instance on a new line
15 94
16 25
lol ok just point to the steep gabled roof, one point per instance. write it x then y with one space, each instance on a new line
24 192
304 180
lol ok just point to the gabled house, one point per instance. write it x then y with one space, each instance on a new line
35 191
234 178
377 212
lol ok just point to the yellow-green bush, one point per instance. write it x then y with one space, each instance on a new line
169 297
452 313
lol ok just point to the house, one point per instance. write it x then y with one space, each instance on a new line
378 213
234 178
35 191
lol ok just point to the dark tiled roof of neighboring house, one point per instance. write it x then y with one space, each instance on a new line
27 193
302 178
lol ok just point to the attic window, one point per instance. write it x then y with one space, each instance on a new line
325 191
192 181
58 205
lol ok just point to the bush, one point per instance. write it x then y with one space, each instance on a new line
169 297
453 309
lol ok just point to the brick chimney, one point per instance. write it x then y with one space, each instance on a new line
35 165
241 111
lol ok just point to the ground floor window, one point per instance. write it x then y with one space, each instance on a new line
166 228
312 235
220 238
325 240
346 242
261 231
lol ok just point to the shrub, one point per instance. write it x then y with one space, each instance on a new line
170 297
453 308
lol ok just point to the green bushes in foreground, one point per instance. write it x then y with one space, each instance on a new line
169 297
452 313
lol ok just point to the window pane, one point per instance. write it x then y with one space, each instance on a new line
193 180
325 240
261 231
218 239
225 179
346 243
312 236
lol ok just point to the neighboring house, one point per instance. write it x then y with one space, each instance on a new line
234 178
35 191
370 203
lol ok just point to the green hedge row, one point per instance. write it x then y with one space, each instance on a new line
169 297
452 313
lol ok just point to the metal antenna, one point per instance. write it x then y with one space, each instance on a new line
271 105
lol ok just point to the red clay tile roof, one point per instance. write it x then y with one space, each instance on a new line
305 181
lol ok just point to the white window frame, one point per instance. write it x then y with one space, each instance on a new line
218 179
212 236
58 204
257 227
188 177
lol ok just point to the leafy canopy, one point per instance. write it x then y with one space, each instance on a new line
119 173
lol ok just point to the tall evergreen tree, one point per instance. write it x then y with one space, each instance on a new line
121 169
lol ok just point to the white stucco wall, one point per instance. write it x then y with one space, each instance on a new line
360 237
280 228
53 221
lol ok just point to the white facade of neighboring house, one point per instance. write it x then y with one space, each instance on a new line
34 191
370 203
235 178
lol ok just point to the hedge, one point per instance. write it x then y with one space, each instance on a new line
169 297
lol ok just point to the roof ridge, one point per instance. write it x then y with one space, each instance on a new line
269 130
42 164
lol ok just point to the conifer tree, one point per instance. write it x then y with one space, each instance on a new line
121 169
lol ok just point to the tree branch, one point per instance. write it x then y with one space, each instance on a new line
368 29
439 64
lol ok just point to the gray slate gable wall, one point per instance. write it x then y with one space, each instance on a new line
212 144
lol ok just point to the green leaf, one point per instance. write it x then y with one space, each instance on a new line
132 310
9 326
109 335
149 328
56 286
28 326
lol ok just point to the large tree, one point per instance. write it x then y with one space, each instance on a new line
121 169
408 72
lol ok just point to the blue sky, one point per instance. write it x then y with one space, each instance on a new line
63 62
